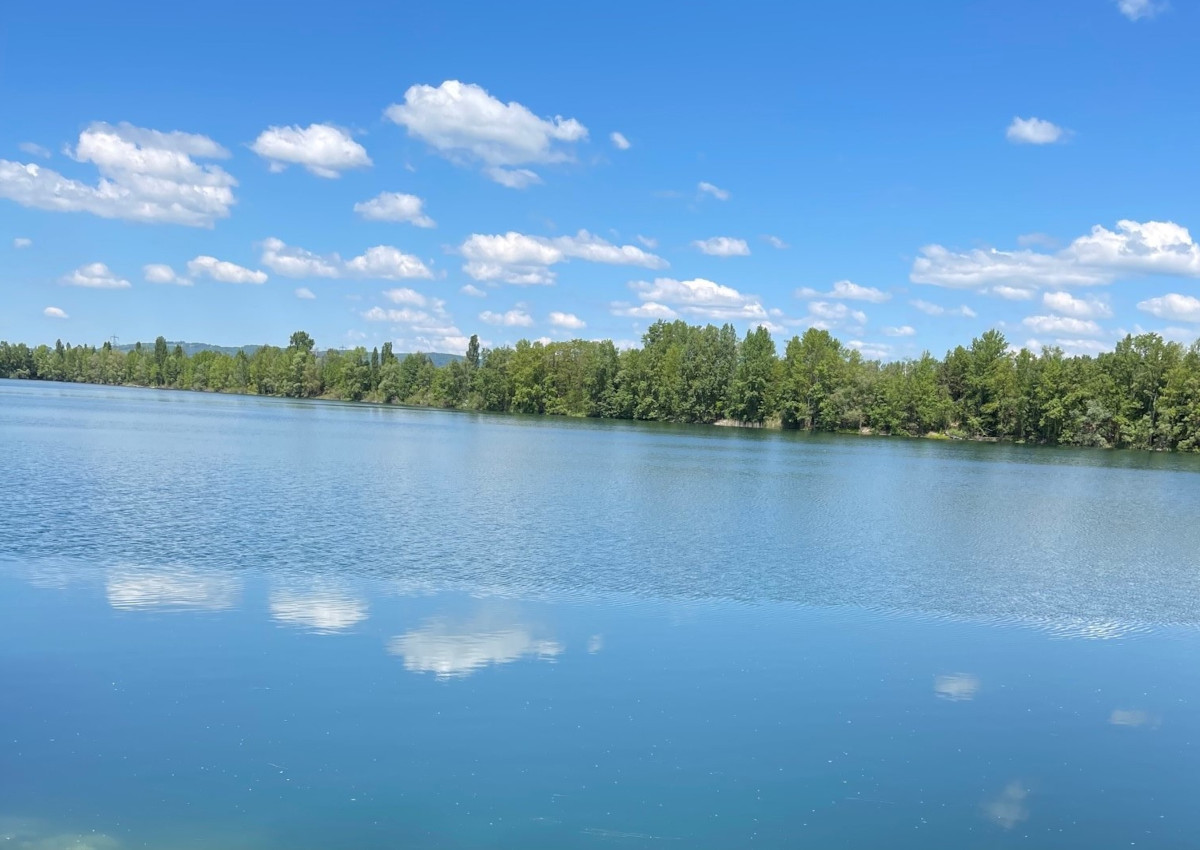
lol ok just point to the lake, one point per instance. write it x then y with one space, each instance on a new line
235 622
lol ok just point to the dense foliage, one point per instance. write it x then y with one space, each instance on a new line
1143 394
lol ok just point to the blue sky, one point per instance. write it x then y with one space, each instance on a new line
907 175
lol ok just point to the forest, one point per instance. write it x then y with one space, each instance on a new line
1143 394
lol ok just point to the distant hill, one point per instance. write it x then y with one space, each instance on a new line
190 348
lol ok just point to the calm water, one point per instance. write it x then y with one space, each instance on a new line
252 623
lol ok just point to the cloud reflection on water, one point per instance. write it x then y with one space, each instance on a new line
1010 807
175 588
1134 717
956 687
317 608
451 649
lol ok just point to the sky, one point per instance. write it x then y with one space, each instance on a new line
906 176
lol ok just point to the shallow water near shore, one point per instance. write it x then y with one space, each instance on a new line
241 622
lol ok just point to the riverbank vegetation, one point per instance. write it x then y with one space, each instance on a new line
1143 394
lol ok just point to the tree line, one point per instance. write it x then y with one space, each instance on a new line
1144 394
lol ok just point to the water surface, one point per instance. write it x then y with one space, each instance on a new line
262 623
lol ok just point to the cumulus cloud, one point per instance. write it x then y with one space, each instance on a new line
567 320
1013 293
931 309
473 291
323 149
902 330
1136 10
1033 131
1061 324
223 271
95 276
716 191
304 293
645 310
404 295
847 291
509 319
1064 303
775 242
55 313
619 141
145 175
422 322
723 246
871 350
525 260
383 262
1100 257
22 242
395 206
465 124
162 273
700 297
829 315
1184 308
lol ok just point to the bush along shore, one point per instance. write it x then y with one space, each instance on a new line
1144 394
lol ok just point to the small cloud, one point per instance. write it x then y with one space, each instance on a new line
22 242
323 149
225 272
717 192
1180 308
95 276
1133 717
34 149
395 206
513 178
619 141
846 290
1061 324
648 241
1034 131
931 309
473 291
305 294
509 319
567 320
1012 293
55 313
1034 240
646 310
902 330
595 644
775 242
956 687
1135 10
723 246
162 273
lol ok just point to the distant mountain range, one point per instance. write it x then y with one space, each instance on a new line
190 348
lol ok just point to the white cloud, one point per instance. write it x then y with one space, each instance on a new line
22 242
871 350
709 189
524 260
902 330
404 295
34 149
451 650
225 272
1028 240
619 141
325 150
775 242
646 310
55 313
1033 131
1081 308
1184 308
1061 324
848 291
1013 293
509 319
648 241
1134 248
465 124
700 297
931 309
473 291
394 206
383 262
1135 10
145 175
162 273
95 276
304 293
828 315
723 246
567 320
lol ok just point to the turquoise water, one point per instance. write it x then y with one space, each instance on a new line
255 623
